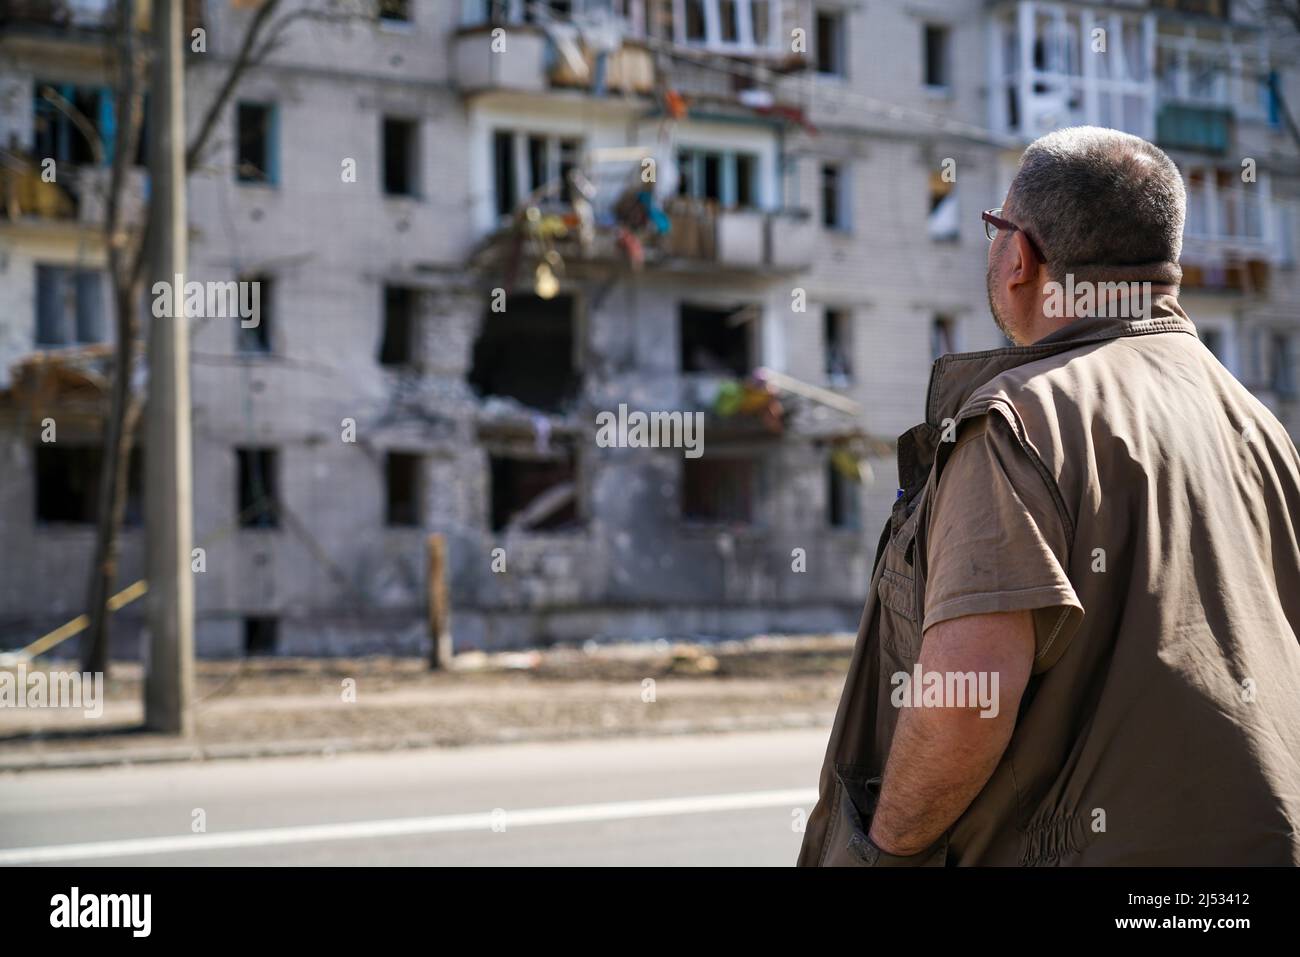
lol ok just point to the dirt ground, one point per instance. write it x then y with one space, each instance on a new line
286 705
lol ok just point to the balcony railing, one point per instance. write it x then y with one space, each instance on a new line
738 238
1048 71
1201 128
537 62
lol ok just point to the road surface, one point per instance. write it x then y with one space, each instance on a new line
732 799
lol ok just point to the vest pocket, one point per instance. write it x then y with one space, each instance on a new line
856 794
898 590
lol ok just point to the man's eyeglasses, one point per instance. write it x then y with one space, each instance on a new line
993 222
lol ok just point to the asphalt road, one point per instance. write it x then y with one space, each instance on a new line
730 799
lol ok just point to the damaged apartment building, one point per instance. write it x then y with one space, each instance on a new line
478 224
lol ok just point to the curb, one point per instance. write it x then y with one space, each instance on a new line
328 747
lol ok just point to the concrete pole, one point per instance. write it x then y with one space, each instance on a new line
440 650
169 671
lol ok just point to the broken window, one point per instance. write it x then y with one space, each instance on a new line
660 19
504 174
730 179
402 481
258 482
843 502
67 484
830 42
1283 378
538 11
761 10
838 328
256 339
729 21
835 207
398 345
533 494
719 490
527 352
695 22
401 156
525 164
261 635
395 11
58 135
550 161
935 51
944 222
255 143
716 339
733 25
1213 339
69 306
943 336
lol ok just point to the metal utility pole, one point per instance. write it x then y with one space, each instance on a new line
169 672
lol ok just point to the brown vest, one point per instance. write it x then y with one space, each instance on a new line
1167 731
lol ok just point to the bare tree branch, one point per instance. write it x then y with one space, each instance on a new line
124 407
243 60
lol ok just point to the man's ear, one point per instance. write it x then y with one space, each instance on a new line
1023 266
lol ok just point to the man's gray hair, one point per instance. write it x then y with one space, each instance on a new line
1101 204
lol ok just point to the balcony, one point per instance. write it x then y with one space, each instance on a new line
75 204
1205 71
534 62
738 239
697 237
1045 74
1206 129
57 14
1234 236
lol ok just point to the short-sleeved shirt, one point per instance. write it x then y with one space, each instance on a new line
997 542
1118 482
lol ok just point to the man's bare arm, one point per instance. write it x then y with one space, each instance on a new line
941 758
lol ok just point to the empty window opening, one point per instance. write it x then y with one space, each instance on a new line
527 352
944 220
839 346
716 339
943 336
550 161
935 51
533 494
731 25
255 339
403 484
504 173
729 21
261 635
61 138
830 42
1283 378
761 11
719 490
843 501
395 11
834 198
532 164
69 306
696 27
539 11
258 482
401 157
1213 339
67 484
255 143
729 179
397 348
